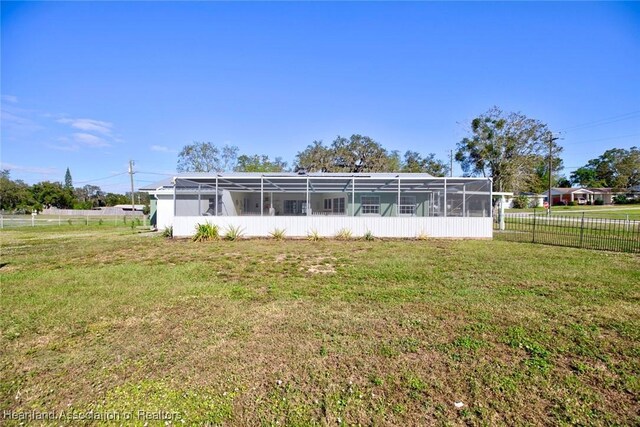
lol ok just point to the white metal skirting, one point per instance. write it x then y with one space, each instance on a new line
301 226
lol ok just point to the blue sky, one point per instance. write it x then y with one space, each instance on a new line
92 85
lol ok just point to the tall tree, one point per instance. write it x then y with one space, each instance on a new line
112 199
586 176
91 194
53 194
357 153
68 182
414 162
15 194
206 157
539 182
360 154
260 163
617 168
315 158
508 147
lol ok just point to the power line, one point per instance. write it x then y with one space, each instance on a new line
100 179
603 139
602 122
156 173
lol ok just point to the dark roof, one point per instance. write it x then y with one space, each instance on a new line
167 182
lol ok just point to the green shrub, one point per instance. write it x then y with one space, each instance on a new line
368 236
100 221
573 203
344 234
233 233
520 202
278 234
168 232
422 235
69 221
620 199
313 236
598 202
205 232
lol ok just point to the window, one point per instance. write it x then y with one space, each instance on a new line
370 205
338 205
290 207
407 205
295 207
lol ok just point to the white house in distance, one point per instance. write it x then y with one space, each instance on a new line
401 205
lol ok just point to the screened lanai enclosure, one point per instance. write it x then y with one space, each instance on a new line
385 204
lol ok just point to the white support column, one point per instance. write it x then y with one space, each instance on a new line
502 203
353 196
398 204
431 204
445 199
491 198
217 196
261 195
464 200
175 187
199 200
307 212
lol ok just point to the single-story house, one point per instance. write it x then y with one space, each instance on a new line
564 196
605 194
385 204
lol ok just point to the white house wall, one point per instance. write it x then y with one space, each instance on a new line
164 212
329 226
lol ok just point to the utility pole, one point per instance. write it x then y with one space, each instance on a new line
133 202
551 139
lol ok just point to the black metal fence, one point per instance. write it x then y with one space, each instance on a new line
619 235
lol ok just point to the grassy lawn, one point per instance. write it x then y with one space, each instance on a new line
298 333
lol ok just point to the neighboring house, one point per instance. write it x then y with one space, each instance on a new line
386 204
604 194
564 196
